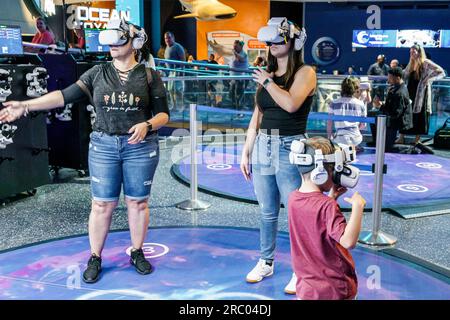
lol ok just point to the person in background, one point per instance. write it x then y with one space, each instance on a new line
419 73
211 85
43 34
240 61
397 108
347 132
351 71
394 64
321 237
379 68
174 51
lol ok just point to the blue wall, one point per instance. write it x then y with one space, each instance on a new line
339 20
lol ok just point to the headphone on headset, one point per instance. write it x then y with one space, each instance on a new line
313 160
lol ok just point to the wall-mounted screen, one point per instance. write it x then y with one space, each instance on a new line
426 38
92 43
401 38
374 38
10 41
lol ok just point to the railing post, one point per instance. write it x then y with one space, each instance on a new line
376 237
193 203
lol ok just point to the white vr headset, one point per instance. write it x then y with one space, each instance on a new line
119 32
313 160
279 31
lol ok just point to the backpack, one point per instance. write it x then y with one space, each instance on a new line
442 136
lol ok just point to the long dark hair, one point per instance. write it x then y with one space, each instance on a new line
295 61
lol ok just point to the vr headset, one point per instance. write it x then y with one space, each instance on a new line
119 32
313 160
5 84
280 30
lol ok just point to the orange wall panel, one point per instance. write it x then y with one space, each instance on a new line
251 15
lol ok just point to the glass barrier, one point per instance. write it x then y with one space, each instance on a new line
232 98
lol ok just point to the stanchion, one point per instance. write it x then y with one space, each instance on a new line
376 237
194 203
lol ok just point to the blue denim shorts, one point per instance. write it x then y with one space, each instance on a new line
114 162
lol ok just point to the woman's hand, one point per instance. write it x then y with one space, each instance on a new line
260 75
13 111
245 165
139 132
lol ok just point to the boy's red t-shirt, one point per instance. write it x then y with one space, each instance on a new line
325 269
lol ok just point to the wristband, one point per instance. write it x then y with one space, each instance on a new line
149 125
26 110
267 82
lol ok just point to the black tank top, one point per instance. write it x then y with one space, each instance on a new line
274 117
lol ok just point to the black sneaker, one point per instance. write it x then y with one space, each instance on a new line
139 262
92 272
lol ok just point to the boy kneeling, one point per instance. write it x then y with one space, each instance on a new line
320 236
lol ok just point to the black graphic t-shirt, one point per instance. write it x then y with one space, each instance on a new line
120 105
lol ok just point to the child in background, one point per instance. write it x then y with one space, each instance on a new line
320 236
347 132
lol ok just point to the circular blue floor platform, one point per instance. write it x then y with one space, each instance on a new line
411 180
190 264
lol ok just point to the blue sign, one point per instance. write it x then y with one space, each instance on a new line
374 38
10 41
325 51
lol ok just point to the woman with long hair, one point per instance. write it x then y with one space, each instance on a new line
419 73
283 102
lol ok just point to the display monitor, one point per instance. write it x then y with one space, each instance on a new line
10 41
426 38
92 43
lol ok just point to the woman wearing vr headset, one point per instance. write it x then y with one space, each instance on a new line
320 236
130 104
283 101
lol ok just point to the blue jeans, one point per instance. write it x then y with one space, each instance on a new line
274 178
114 162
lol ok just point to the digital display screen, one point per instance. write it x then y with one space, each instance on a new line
92 43
374 38
10 41
401 38
426 38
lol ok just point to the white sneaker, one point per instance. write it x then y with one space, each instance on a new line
260 271
292 285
